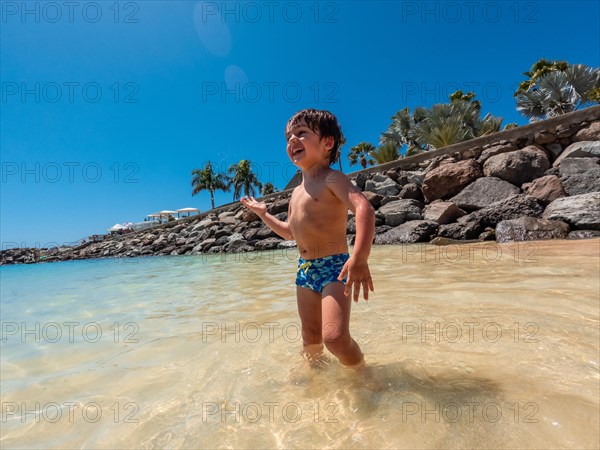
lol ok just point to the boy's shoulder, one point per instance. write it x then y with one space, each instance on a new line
333 176
338 181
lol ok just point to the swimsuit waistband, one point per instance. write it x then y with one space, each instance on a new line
337 255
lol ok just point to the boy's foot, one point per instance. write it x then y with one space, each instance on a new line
314 360
314 356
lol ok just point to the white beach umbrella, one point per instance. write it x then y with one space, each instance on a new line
116 227
167 213
188 210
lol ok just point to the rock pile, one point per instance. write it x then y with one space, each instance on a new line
540 186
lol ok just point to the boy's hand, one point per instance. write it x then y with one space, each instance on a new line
358 274
259 208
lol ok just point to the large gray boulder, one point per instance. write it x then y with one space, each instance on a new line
460 230
576 166
530 229
581 211
484 191
580 175
401 211
409 232
583 149
510 208
386 187
518 167
582 183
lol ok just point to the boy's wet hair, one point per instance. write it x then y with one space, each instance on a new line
325 124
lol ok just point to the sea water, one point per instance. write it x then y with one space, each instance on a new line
472 346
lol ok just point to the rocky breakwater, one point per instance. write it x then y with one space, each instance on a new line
535 185
229 229
543 187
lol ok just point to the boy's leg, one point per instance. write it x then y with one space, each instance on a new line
336 325
309 310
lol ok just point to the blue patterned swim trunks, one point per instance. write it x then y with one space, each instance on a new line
315 274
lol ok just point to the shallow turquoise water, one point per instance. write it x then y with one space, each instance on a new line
479 346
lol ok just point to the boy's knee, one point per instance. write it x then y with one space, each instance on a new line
336 338
333 333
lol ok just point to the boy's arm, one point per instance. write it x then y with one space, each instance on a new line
278 226
357 268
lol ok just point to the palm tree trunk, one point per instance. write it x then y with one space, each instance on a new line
212 199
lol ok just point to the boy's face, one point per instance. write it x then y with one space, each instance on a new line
305 148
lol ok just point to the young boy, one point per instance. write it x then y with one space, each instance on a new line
317 219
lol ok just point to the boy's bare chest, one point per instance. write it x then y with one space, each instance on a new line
312 205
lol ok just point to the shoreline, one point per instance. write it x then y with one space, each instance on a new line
439 246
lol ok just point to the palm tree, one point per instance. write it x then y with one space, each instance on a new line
441 125
360 153
242 178
207 179
401 132
555 88
268 188
468 97
385 153
539 70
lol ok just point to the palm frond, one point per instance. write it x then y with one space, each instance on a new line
385 153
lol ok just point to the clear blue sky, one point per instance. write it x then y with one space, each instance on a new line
106 109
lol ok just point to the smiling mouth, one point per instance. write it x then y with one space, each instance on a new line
297 151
